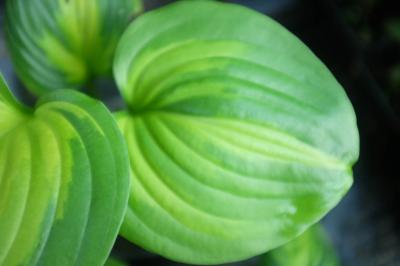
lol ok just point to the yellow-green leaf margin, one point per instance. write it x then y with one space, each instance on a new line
61 44
64 180
239 137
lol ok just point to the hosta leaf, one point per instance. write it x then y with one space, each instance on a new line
64 180
58 44
239 137
313 248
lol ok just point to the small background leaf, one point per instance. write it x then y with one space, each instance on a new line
312 248
65 44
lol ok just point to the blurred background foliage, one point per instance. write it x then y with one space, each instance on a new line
377 27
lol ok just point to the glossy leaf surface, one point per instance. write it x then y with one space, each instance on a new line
64 180
65 44
239 137
313 248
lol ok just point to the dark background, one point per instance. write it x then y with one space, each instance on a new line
359 41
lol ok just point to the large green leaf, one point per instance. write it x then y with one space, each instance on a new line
313 248
239 137
58 44
64 180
